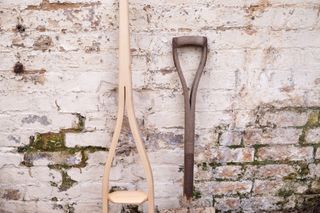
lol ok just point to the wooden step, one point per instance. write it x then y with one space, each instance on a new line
128 197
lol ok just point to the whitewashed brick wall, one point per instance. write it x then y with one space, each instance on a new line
258 104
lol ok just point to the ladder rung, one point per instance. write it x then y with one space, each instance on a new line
128 197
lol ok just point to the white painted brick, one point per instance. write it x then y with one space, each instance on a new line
261 203
204 2
20 4
273 171
303 2
88 139
211 119
78 102
172 157
27 102
317 154
85 206
97 158
232 155
165 119
227 172
226 187
98 121
167 203
45 122
87 174
14 139
189 17
24 176
36 192
166 190
287 18
230 138
92 189
227 203
277 136
285 118
306 79
166 173
313 136
285 153
18 206
9 158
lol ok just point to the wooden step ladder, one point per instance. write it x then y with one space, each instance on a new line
125 103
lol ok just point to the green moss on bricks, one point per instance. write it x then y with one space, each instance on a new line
235 146
308 203
203 166
304 169
45 144
301 174
49 142
285 192
214 165
313 122
92 149
291 176
69 208
196 194
54 184
67 182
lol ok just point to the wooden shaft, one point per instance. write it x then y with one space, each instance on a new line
124 45
189 135
190 105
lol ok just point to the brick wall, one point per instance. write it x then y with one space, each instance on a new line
258 106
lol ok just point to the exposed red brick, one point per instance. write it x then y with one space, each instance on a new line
229 187
285 153
46 5
232 155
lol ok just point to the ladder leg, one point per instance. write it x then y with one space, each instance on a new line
112 151
105 206
141 149
151 205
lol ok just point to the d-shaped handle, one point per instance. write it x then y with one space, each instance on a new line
184 41
190 41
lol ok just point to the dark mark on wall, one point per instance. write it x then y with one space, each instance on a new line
20 28
35 118
11 194
43 43
18 68
16 139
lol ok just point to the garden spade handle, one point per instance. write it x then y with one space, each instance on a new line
189 104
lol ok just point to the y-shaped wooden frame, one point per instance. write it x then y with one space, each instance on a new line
125 103
190 105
